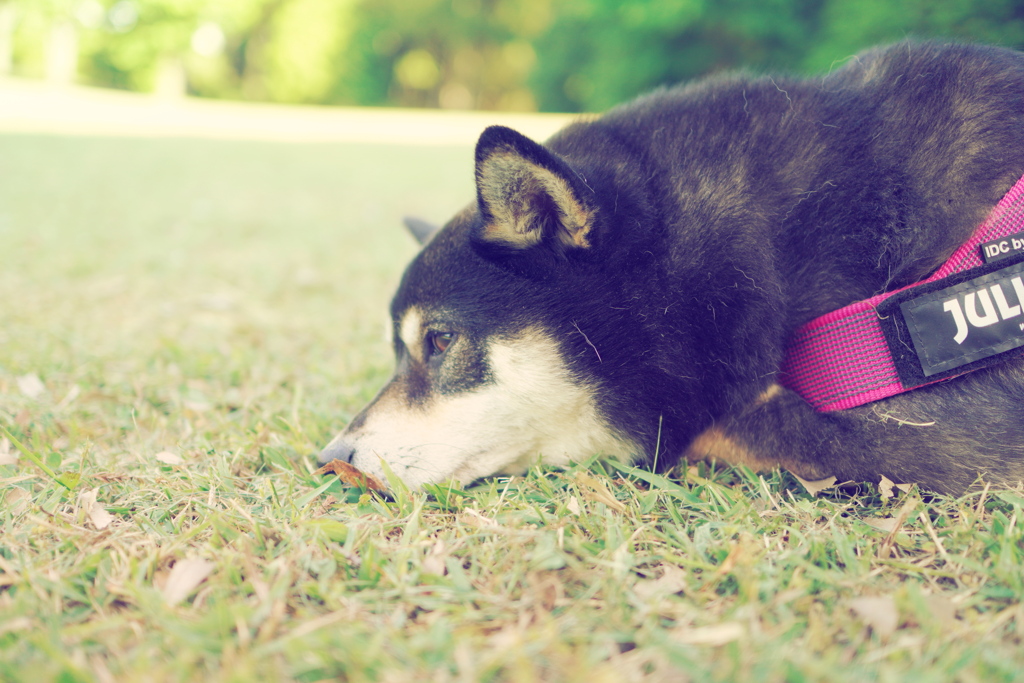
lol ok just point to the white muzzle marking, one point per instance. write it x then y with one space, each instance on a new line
532 411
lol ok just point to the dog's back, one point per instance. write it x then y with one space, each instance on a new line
860 181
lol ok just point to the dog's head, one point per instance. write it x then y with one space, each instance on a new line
541 324
485 381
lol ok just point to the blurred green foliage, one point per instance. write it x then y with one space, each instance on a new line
564 55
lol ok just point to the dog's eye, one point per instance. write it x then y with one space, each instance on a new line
438 342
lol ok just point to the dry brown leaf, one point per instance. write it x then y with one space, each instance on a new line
433 563
185 577
17 500
672 581
719 634
897 524
881 523
942 608
879 613
7 455
351 476
95 512
885 487
817 486
99 517
473 518
31 386
573 505
593 489
169 458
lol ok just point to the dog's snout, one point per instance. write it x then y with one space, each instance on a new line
338 449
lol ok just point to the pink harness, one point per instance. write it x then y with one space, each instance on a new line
863 352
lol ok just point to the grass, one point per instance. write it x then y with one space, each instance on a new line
183 323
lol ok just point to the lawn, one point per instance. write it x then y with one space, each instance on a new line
183 323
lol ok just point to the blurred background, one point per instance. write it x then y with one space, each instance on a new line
510 55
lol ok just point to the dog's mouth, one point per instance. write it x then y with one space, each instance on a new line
423 464
414 465
417 468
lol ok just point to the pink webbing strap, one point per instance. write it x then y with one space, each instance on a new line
842 360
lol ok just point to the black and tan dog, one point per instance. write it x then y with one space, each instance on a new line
631 286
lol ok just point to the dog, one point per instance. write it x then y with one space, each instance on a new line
632 287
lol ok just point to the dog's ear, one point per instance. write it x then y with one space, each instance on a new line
528 195
420 229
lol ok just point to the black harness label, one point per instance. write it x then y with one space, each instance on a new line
969 321
1004 247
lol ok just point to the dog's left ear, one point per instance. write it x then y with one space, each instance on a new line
528 195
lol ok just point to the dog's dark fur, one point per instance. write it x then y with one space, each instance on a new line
672 245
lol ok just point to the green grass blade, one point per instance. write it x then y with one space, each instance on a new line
68 480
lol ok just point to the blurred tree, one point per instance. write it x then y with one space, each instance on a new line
302 55
458 54
137 40
599 52
568 55
849 25
138 43
281 50
29 27
6 36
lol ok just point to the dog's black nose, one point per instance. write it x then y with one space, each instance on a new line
338 449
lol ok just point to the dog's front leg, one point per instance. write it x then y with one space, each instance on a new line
781 430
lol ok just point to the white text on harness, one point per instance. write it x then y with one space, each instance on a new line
967 315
